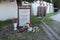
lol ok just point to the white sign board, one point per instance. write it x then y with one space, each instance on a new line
24 16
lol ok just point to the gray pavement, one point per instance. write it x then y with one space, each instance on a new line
56 17
53 29
50 32
55 25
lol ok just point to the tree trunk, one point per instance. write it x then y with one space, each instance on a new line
19 2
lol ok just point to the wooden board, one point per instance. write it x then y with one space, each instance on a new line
41 11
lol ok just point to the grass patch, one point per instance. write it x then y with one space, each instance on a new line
35 20
6 22
50 14
48 19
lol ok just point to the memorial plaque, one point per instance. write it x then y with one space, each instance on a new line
24 16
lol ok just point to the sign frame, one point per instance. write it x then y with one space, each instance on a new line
24 7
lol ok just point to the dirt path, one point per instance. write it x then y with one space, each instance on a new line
8 34
6 30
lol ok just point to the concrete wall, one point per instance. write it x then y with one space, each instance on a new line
8 10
